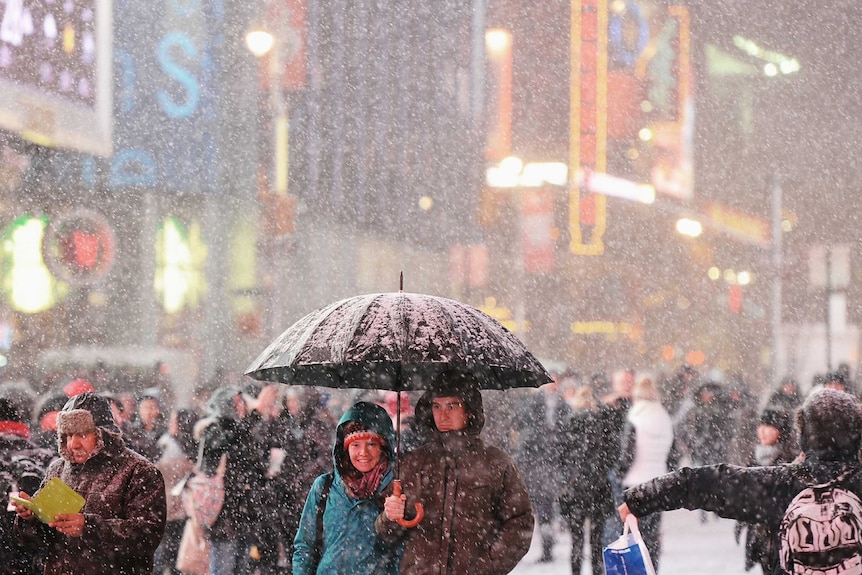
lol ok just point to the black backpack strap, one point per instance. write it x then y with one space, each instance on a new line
321 507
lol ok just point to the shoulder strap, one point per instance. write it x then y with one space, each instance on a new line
835 481
844 475
321 507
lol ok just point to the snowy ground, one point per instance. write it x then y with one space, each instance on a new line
690 547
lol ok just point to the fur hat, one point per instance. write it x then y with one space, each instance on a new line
84 413
830 420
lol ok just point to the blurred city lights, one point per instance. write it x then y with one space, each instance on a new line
426 203
730 276
259 41
689 227
776 62
512 172
497 40
607 185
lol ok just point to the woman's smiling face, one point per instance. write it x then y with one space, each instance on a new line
365 454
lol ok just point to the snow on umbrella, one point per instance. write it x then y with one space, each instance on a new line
397 341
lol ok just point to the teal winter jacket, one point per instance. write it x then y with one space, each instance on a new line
350 544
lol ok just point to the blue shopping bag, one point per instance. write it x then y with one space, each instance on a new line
628 555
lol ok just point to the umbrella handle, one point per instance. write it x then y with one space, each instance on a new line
420 510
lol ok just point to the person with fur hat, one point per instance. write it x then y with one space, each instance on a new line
829 426
345 541
123 519
478 518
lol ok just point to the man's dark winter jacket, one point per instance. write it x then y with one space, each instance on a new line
124 512
749 494
125 515
478 518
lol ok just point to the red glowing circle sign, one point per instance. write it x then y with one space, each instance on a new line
78 247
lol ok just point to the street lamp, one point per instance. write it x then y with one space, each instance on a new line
259 40
269 41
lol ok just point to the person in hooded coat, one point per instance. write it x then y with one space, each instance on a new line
303 429
478 518
363 455
829 424
123 520
226 431
179 452
586 495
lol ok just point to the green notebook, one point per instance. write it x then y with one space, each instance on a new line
55 498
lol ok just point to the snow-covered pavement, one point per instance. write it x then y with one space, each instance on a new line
691 547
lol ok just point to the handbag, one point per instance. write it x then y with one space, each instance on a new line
203 495
193 556
628 555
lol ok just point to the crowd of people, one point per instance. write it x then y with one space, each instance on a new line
312 480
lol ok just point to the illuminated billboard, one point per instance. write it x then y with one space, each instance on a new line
631 112
55 73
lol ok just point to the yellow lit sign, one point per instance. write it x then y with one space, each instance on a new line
180 257
610 329
744 226
27 282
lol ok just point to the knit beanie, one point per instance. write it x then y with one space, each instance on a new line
355 431
830 420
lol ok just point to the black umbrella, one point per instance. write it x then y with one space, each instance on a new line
400 342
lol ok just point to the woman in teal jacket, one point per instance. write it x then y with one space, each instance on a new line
344 540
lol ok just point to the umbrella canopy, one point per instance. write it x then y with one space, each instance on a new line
397 341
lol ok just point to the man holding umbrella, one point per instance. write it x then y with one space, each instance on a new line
490 527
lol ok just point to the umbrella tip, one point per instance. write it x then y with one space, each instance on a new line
401 281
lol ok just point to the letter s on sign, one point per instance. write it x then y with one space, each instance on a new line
180 74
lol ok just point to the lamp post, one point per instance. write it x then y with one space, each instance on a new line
268 41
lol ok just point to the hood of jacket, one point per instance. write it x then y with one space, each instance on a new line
830 422
464 386
371 416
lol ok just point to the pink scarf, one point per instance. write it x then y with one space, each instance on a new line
366 485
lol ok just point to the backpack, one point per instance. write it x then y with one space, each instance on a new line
821 532
203 495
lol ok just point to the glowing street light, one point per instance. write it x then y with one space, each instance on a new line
689 227
259 40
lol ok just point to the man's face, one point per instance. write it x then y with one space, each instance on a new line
81 445
449 414
767 434
117 413
148 412
623 383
